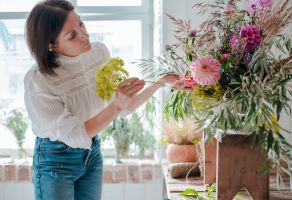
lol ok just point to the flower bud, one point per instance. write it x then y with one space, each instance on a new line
167 47
224 57
193 33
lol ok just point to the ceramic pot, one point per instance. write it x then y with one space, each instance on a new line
182 153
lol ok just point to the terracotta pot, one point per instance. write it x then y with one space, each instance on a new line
182 153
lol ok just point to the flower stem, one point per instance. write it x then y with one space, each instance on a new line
154 82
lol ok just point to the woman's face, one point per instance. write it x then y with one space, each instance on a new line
73 39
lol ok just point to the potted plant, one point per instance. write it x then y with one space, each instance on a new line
142 123
16 122
182 140
136 130
119 132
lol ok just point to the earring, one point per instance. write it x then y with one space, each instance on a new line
50 49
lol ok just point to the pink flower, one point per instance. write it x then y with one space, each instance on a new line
250 35
228 7
266 4
205 70
234 42
253 5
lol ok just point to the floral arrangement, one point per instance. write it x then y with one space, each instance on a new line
240 63
109 76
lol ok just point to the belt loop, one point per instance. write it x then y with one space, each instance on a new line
39 141
86 160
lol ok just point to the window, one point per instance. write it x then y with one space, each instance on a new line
123 25
109 2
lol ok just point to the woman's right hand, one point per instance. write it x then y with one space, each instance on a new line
126 90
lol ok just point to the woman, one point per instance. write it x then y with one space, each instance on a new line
65 112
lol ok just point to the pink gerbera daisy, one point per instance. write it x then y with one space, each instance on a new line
206 70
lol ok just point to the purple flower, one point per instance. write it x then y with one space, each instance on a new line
247 58
250 35
253 5
193 33
266 4
228 7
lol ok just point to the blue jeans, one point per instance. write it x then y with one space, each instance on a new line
64 173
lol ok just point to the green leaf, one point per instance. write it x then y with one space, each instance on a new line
193 40
253 137
189 192
279 108
282 82
277 149
270 140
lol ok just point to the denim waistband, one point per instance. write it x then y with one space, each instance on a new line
39 140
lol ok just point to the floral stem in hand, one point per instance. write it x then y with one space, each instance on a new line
155 83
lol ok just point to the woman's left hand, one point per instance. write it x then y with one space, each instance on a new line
168 79
178 83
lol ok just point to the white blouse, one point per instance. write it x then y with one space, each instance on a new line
59 106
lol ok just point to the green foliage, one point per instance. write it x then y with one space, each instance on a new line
119 131
194 194
152 69
189 192
137 130
211 192
143 125
178 106
16 122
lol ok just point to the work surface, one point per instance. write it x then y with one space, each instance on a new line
173 187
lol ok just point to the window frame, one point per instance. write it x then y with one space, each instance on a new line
143 13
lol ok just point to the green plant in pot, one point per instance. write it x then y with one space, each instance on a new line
119 132
142 125
136 130
16 122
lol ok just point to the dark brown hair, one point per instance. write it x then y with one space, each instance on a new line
43 25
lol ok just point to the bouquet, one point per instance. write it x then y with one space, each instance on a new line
240 63
109 76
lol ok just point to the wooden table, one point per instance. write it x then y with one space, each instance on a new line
173 187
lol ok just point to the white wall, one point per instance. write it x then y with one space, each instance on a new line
286 120
147 191
180 9
183 9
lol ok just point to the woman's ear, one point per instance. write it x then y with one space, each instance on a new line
52 47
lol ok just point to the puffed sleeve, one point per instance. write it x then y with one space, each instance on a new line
49 115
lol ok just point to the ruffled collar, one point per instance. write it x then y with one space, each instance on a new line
68 59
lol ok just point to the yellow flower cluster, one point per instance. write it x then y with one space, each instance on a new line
205 96
109 76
